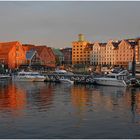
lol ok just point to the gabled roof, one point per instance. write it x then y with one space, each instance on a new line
57 52
89 47
30 54
116 44
28 47
50 51
5 47
102 44
132 42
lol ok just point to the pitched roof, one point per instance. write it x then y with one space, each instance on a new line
28 47
50 51
5 47
132 42
57 52
116 44
102 44
30 54
89 47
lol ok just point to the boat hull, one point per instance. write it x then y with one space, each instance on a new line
5 78
40 79
66 81
110 82
23 79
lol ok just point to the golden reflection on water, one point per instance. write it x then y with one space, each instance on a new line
12 97
17 96
102 97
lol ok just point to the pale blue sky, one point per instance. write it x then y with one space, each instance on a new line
57 24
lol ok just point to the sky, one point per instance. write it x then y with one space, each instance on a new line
58 23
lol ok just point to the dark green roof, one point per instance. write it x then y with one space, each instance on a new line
57 52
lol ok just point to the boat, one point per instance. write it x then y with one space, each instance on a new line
113 79
62 72
38 77
5 77
66 81
29 76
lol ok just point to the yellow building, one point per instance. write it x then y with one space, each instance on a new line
79 53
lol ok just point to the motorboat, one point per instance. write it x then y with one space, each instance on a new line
113 79
29 76
66 81
5 77
62 72
38 77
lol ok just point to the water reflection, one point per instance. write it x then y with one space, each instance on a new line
135 105
84 96
78 111
11 97
39 94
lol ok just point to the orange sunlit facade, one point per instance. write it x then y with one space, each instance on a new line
79 54
12 54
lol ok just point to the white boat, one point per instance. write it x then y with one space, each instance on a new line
5 77
63 72
113 79
38 77
29 76
66 81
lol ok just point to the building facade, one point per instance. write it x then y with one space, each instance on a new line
115 52
79 53
67 52
46 55
12 54
59 57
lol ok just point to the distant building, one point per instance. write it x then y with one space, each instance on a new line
67 52
115 52
58 56
12 54
45 54
32 57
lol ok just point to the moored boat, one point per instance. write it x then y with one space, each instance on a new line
5 77
113 79
29 76
66 81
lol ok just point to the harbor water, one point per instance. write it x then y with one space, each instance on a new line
52 110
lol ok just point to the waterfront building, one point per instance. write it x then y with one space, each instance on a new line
32 57
12 54
110 52
46 55
67 53
95 54
115 52
102 54
58 56
80 55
